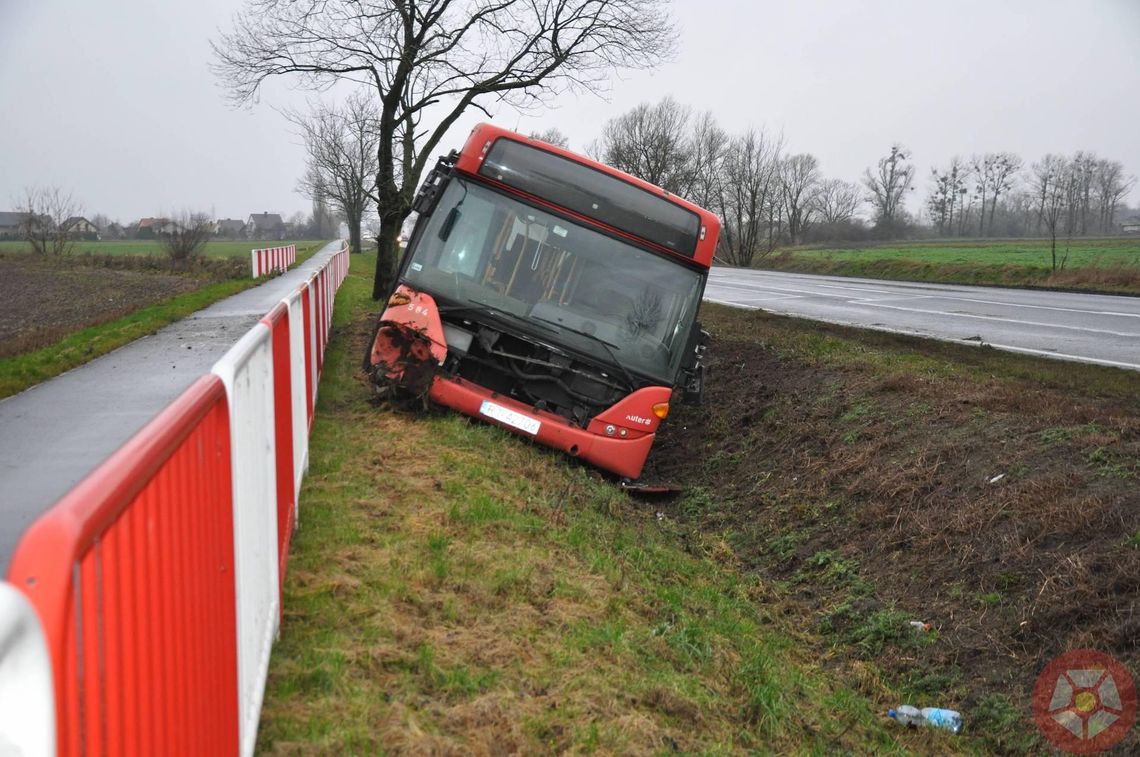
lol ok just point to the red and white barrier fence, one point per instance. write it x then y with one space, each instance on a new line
157 580
272 259
27 708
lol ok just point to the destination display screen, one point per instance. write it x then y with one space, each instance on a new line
594 194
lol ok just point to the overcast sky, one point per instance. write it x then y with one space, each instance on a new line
113 100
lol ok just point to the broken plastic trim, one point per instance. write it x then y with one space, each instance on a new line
402 363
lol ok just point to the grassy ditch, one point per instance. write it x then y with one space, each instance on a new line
1109 265
872 479
89 323
453 589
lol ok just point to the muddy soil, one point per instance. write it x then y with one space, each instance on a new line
876 483
44 299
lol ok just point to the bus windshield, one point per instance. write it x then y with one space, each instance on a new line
606 297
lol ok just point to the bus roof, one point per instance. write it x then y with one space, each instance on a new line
483 137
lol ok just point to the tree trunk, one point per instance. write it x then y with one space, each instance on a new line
353 221
387 254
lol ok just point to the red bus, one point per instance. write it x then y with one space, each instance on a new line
551 295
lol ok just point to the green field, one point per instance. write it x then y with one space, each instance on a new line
1023 252
220 249
1098 264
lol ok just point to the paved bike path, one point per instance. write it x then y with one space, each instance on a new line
54 434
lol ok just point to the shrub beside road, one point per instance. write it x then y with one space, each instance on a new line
1111 265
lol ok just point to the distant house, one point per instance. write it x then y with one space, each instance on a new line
149 228
79 227
12 224
1131 226
265 226
230 228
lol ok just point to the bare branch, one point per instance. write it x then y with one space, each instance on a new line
448 55
45 227
187 236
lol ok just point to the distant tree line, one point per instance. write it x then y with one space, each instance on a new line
768 196
50 220
997 195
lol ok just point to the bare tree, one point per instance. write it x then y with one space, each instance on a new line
996 173
799 182
940 200
552 136
750 198
837 200
1079 186
321 222
101 221
708 149
296 225
888 186
947 195
651 142
1050 184
1109 188
45 210
443 54
342 144
187 237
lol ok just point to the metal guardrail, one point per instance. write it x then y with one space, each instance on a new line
157 580
270 259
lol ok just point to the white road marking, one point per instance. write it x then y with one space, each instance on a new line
764 288
1009 320
950 296
874 303
1063 356
758 293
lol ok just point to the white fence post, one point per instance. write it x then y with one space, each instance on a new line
298 381
27 701
247 371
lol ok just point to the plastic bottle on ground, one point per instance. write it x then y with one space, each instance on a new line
935 717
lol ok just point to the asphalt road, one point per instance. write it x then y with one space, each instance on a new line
54 434
1089 328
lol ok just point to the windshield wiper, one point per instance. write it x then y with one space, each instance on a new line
475 306
607 346
551 327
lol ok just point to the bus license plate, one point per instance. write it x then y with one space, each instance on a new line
509 417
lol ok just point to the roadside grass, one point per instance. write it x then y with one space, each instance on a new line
453 589
904 361
19 372
1096 264
214 249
